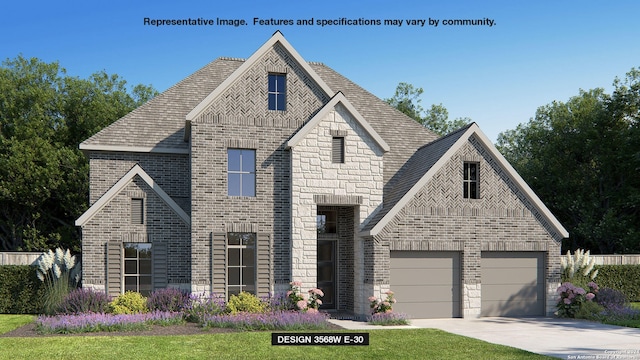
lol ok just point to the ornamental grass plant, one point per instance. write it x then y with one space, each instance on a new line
60 274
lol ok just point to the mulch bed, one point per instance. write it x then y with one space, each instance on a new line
29 330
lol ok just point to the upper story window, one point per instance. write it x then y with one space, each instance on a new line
241 172
277 92
337 150
471 181
137 211
327 221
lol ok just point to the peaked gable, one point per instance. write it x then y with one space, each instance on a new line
120 185
276 41
438 153
339 98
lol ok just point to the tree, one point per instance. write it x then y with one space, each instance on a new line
582 158
407 100
44 115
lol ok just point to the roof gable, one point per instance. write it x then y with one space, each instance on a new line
277 38
339 98
117 188
428 160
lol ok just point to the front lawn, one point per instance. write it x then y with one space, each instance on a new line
10 322
384 344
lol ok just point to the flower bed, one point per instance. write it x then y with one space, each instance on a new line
275 320
95 322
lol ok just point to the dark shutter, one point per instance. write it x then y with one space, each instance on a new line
159 264
219 263
137 211
263 264
114 268
337 151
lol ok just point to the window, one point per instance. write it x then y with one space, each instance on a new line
471 182
241 263
137 211
137 268
327 221
277 92
337 151
241 172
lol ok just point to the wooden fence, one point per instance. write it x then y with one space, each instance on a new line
19 258
617 259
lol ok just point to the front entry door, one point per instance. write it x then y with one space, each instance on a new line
327 272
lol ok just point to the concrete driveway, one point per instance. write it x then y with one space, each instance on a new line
562 338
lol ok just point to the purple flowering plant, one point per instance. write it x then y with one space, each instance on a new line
273 320
95 322
388 318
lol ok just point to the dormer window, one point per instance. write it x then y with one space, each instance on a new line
277 92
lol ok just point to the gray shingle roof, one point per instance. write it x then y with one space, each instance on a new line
413 170
160 122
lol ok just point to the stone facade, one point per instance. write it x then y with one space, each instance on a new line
357 182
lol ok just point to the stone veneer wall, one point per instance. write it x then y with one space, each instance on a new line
239 118
313 173
162 227
503 219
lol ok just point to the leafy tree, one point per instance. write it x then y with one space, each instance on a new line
44 115
407 100
582 157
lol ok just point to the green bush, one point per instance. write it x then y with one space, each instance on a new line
624 278
20 290
590 310
129 303
245 302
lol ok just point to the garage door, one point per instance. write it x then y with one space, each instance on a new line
426 284
513 284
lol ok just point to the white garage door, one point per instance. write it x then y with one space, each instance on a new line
426 284
513 284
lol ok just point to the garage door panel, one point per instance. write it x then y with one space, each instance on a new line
513 284
426 284
498 292
433 293
422 277
429 310
502 276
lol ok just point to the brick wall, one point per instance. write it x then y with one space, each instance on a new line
438 218
239 118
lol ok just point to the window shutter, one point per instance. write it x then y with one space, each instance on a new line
159 263
114 268
264 268
337 151
137 211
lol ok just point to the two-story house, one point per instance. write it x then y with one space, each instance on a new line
250 174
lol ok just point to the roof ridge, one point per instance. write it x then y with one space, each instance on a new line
228 58
462 129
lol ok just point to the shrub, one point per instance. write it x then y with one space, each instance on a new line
624 278
298 301
129 303
64 324
84 301
245 302
277 320
590 310
382 306
388 318
579 268
611 299
59 273
20 290
200 307
572 297
169 299
277 302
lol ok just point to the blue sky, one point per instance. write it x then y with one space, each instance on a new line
537 51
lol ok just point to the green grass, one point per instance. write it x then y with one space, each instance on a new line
10 322
384 344
635 305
